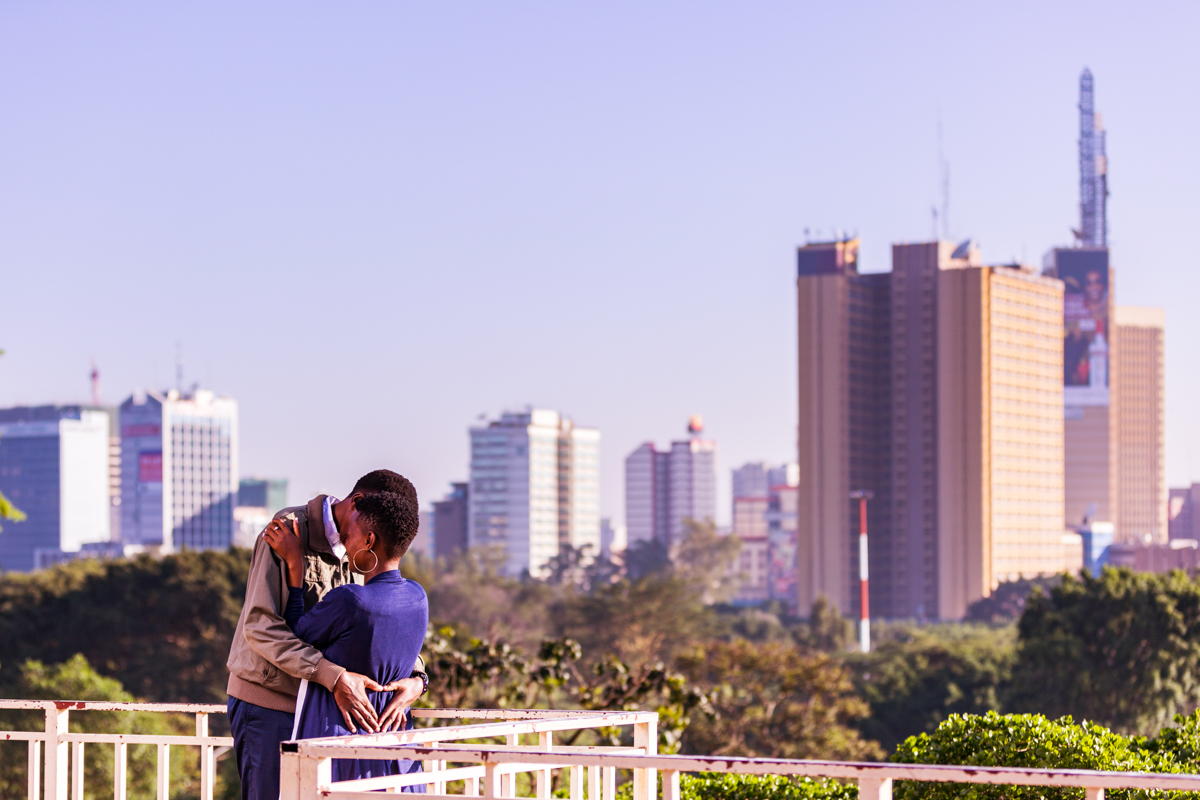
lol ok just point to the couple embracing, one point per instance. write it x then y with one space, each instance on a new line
327 619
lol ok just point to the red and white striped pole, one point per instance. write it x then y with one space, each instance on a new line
864 620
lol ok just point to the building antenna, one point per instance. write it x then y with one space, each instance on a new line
179 367
95 375
944 168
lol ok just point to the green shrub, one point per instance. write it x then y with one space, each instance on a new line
717 786
1030 741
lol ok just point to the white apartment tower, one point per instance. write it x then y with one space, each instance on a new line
179 470
664 488
535 485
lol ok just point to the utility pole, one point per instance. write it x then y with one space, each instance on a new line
864 620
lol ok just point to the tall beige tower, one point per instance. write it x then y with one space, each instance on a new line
1141 480
999 431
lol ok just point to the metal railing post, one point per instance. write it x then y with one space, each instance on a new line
645 781
207 763
77 771
316 774
491 779
1093 794
289 775
544 778
34 782
56 752
670 790
120 763
874 789
164 772
576 782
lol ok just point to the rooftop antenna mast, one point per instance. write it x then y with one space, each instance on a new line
95 375
179 367
1093 169
944 168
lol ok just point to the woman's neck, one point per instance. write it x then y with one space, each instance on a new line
382 567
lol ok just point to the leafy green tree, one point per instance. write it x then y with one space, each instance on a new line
775 700
1007 601
827 630
1121 648
638 622
7 510
162 627
913 685
706 560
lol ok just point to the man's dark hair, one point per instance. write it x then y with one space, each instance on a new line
392 517
384 480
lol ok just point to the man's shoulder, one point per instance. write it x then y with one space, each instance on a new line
292 512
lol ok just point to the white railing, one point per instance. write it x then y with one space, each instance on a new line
55 738
307 764
449 757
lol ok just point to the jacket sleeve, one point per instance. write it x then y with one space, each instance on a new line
266 632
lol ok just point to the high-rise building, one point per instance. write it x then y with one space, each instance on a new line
258 499
535 485
764 520
268 493
845 425
1138 350
179 470
999 430
781 538
614 539
928 387
450 521
1183 512
647 494
54 466
663 489
1090 419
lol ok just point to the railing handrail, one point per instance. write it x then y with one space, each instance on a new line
91 705
933 773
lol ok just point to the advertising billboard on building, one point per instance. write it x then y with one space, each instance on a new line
1087 305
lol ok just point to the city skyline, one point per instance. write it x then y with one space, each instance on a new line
466 162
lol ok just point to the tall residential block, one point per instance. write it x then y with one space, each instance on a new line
54 466
534 486
179 470
1141 419
844 440
937 388
664 488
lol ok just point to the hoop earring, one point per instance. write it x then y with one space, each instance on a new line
354 561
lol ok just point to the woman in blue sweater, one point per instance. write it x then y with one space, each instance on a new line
375 629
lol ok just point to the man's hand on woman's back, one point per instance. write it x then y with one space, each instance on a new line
350 694
406 691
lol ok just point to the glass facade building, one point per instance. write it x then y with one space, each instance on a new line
54 466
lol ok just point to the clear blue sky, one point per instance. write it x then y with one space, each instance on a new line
371 222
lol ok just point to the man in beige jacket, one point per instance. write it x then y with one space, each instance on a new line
266 660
